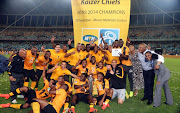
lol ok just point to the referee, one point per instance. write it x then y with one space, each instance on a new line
16 67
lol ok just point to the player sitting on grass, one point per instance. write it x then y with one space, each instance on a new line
103 91
29 94
56 104
82 94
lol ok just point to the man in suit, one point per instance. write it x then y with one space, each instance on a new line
163 75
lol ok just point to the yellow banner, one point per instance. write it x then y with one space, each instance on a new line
91 18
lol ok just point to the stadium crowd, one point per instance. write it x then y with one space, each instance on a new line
154 33
34 34
87 73
162 33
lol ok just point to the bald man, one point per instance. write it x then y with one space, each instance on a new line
16 67
148 72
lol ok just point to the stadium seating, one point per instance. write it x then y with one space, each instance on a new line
39 37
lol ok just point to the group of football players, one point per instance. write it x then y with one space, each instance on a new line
87 73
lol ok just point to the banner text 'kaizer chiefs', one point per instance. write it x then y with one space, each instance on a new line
113 2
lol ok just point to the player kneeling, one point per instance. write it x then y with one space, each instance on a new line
82 94
104 95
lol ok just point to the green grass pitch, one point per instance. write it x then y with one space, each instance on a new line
132 105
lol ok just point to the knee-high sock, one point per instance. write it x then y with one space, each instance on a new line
17 91
108 99
72 105
91 105
127 96
66 105
17 106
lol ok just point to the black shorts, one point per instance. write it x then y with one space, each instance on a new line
30 95
38 74
48 109
100 98
29 74
82 97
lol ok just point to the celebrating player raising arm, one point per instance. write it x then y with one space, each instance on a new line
41 63
82 68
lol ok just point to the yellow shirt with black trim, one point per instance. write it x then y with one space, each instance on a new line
62 58
29 60
93 69
59 72
55 57
81 69
125 51
99 55
74 58
79 82
101 86
103 70
44 92
67 83
59 99
42 62
110 58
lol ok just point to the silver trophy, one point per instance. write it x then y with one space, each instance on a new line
90 84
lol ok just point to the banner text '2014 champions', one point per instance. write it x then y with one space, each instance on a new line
113 2
101 12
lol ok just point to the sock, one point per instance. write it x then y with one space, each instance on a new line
18 91
91 105
16 106
131 94
95 103
107 101
66 105
26 84
15 92
72 106
11 94
36 107
33 84
127 96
